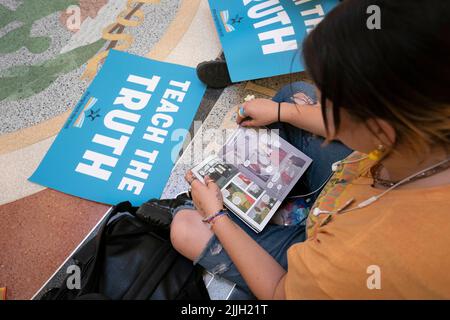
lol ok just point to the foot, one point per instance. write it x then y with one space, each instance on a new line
159 212
214 74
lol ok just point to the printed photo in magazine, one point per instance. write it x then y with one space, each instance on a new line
255 170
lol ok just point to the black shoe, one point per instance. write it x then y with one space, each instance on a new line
160 212
214 74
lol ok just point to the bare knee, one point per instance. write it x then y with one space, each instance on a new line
179 229
188 234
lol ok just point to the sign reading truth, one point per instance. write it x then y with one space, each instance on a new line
122 138
262 38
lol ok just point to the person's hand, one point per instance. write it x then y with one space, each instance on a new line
261 112
207 197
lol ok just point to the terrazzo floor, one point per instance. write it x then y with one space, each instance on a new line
40 228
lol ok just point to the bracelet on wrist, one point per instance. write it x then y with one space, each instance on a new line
210 219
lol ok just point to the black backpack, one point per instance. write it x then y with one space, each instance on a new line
131 258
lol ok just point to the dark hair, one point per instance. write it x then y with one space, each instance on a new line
399 73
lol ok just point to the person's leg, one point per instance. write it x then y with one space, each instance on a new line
323 155
299 92
193 239
189 234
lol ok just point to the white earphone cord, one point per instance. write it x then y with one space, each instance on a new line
334 168
371 200
312 192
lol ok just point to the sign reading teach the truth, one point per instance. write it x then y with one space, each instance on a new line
263 38
122 138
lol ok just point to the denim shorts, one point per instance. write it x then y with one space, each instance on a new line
276 239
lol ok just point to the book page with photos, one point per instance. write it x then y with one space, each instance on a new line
255 170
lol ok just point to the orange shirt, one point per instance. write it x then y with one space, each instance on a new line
396 248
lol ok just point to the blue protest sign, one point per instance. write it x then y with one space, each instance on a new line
263 38
118 143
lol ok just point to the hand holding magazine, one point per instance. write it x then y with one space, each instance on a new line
255 170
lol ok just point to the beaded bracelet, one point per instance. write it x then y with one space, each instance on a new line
213 216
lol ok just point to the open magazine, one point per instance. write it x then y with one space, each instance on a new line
255 170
